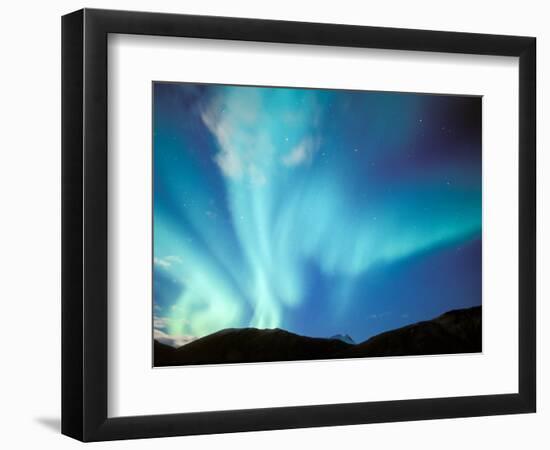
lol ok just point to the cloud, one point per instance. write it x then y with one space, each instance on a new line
244 141
159 322
229 163
173 259
165 322
228 159
172 340
301 154
167 261
161 263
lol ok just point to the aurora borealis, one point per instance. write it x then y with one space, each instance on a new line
316 211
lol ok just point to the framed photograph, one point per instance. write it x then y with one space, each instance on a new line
273 224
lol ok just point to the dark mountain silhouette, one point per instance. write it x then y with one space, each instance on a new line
238 345
162 353
457 331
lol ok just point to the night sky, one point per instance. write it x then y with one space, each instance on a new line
321 212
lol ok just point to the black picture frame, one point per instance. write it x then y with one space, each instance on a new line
85 235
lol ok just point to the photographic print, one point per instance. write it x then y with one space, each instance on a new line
294 224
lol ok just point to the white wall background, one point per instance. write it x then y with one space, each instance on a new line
30 223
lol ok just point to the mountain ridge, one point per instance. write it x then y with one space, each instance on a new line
456 331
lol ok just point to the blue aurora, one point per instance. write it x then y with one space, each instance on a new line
316 211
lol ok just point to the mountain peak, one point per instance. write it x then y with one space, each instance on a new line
344 338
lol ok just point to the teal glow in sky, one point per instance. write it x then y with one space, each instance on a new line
316 211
